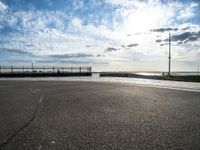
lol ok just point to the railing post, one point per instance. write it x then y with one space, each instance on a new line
23 69
71 69
79 69
0 69
53 69
44 69
11 69
32 67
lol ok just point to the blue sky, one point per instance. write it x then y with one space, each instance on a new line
125 35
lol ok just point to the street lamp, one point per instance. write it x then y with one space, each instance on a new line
169 73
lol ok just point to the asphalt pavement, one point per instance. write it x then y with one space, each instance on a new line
96 116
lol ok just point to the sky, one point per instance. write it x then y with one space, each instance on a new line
109 35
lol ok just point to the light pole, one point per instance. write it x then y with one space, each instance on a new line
32 66
169 73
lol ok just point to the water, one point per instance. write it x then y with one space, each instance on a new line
186 73
172 73
96 74
160 73
149 73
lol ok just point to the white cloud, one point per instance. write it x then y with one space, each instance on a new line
75 25
1 27
188 11
3 7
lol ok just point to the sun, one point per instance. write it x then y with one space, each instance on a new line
144 19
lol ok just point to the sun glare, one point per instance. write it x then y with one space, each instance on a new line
144 19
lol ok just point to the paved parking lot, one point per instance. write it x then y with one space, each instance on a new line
91 115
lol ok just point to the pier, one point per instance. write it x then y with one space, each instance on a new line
45 71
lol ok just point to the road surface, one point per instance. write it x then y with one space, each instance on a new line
99 116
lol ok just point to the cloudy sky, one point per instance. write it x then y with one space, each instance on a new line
105 34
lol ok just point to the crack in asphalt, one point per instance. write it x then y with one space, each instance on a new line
6 142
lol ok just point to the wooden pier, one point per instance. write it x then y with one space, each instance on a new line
54 71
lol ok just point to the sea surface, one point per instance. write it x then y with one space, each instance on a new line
172 73
161 73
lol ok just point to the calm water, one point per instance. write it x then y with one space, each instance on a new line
173 73
159 73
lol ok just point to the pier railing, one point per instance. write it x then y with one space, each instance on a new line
44 70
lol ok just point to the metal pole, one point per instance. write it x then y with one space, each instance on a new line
198 69
169 54
32 67
11 69
0 69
